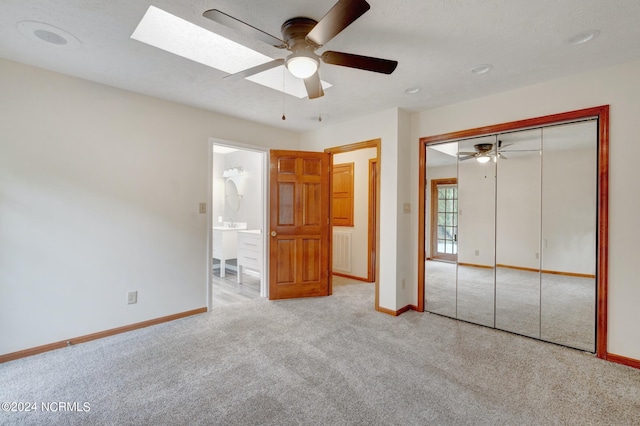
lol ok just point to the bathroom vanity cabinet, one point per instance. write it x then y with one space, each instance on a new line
224 245
249 251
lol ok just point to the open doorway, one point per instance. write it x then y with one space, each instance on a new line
238 219
355 189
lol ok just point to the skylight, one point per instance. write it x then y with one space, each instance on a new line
175 35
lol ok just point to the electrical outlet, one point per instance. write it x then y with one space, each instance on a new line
537 255
203 208
132 297
477 252
403 284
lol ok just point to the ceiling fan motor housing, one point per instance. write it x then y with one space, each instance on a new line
294 33
483 147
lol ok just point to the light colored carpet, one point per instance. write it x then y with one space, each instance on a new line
322 361
550 307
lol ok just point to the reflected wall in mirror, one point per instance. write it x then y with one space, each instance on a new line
476 230
441 228
518 232
233 198
569 234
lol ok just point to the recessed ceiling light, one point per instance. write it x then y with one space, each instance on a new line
481 69
48 34
412 90
175 35
584 37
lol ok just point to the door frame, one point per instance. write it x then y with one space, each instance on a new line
434 218
373 246
264 287
602 260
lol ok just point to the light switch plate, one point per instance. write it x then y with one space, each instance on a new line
406 208
203 208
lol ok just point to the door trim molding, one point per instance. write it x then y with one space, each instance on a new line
264 274
372 232
599 112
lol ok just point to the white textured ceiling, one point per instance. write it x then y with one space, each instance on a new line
436 42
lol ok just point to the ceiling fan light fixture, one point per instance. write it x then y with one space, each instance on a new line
483 159
302 65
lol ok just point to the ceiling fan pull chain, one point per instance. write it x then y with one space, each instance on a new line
320 102
284 117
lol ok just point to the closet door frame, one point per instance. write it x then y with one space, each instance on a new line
602 261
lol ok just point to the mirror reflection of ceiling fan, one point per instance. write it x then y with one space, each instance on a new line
484 152
302 37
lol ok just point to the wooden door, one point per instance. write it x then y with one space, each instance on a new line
299 234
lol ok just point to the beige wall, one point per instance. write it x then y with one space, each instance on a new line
395 248
617 86
99 193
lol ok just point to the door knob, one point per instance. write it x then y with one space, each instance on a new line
274 233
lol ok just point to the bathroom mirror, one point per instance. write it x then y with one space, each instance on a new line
476 230
232 197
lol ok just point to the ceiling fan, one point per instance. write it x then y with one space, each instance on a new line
302 37
484 152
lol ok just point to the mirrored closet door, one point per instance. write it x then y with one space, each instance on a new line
476 259
511 231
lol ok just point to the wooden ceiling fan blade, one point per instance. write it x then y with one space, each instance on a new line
367 63
468 157
341 15
243 28
255 70
314 86
466 153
